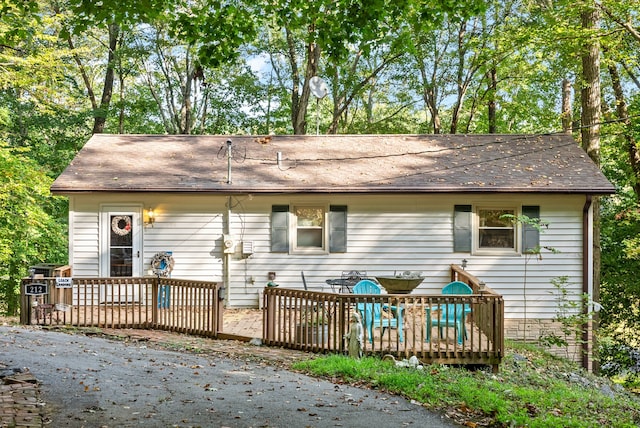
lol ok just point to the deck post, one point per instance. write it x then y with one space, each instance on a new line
219 298
269 317
154 301
342 322
25 306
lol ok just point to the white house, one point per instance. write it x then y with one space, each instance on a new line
237 208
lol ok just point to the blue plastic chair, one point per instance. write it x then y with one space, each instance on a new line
371 313
451 314
366 286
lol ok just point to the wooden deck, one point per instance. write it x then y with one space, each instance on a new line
191 307
292 318
483 343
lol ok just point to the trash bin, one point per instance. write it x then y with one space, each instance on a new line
164 296
44 269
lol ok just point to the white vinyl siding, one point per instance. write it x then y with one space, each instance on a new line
85 254
385 233
388 234
190 227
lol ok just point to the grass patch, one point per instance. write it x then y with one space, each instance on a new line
532 389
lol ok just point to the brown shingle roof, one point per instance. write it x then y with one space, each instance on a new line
333 163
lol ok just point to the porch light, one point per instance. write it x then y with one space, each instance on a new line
151 217
463 263
481 287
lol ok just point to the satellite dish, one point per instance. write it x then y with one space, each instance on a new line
318 87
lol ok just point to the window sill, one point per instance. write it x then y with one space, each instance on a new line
309 252
496 252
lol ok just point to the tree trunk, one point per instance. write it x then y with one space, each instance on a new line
457 108
186 110
566 106
590 99
430 97
493 86
100 116
121 112
591 91
300 98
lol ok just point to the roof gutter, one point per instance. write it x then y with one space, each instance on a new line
587 271
226 190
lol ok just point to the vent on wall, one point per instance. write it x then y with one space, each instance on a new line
247 248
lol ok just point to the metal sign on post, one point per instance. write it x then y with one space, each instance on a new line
64 282
36 289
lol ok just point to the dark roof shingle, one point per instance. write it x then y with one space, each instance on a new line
333 163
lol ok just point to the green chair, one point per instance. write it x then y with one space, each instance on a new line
450 315
372 313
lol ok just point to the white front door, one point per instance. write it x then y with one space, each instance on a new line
121 241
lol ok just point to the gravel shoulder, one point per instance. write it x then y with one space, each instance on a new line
126 378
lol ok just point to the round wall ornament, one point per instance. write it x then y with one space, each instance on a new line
162 264
121 225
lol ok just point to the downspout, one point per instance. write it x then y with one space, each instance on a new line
226 262
587 276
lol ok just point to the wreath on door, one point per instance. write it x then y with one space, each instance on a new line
162 264
121 225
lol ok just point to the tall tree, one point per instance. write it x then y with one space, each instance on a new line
590 94
619 52
107 21
312 31
591 105
28 233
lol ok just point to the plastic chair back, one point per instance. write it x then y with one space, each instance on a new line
366 286
453 314
457 287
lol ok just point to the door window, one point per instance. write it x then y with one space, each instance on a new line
121 245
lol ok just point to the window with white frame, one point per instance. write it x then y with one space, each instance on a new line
309 229
495 229
309 225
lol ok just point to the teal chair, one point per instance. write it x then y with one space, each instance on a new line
371 313
451 315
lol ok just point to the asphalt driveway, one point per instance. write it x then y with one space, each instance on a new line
95 382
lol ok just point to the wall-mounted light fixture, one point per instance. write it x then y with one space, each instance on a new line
464 263
481 287
151 217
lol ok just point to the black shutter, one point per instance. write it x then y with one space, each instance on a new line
462 228
338 229
280 228
530 233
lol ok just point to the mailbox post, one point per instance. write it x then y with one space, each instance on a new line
36 289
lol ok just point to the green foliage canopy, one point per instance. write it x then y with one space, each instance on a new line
28 233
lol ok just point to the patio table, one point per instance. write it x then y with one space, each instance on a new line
348 280
344 285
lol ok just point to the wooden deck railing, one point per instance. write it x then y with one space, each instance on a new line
318 321
183 306
483 318
293 318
